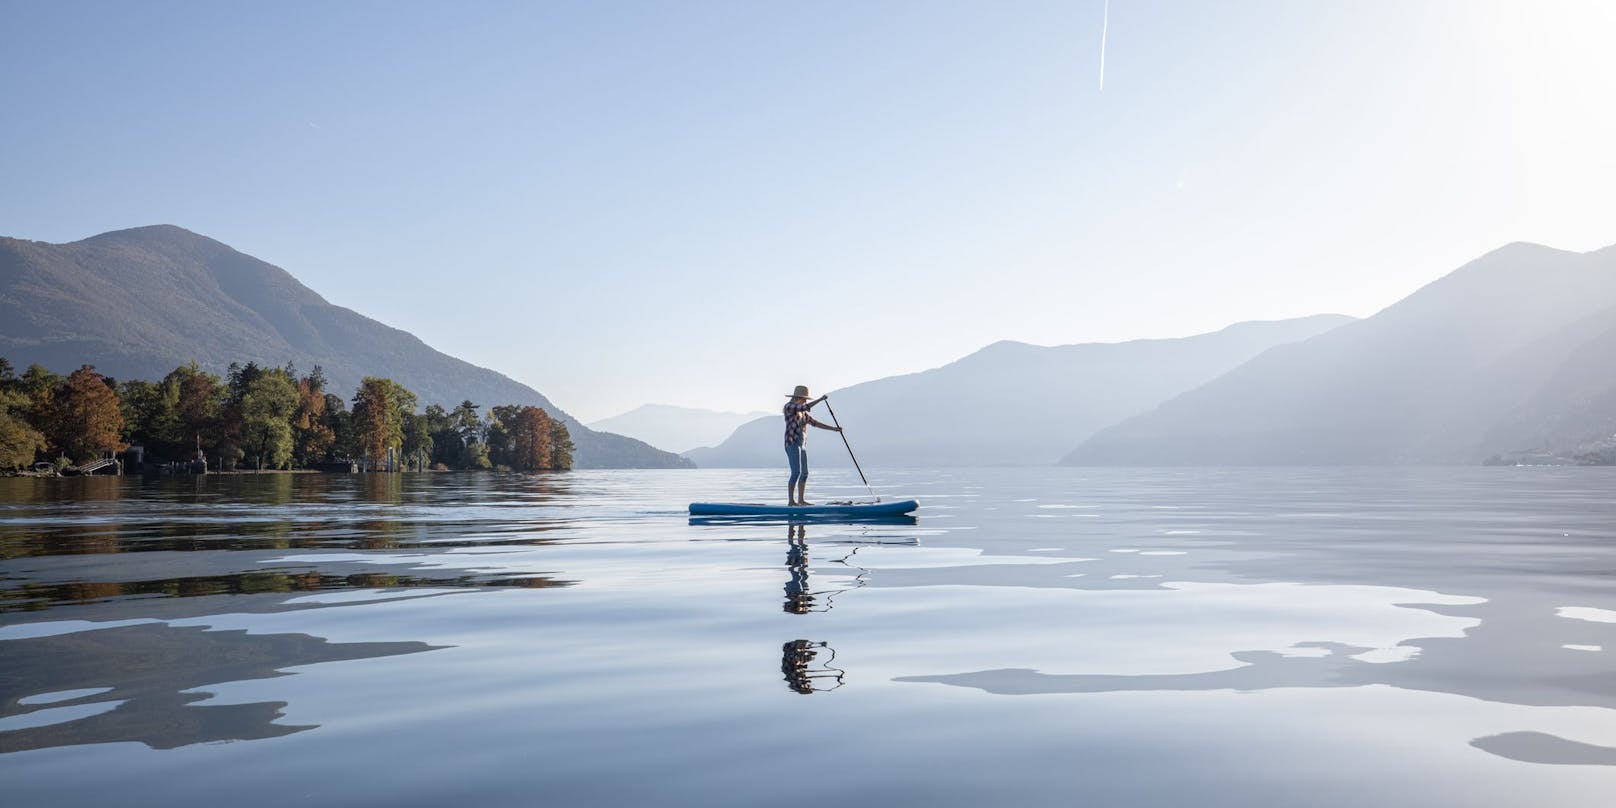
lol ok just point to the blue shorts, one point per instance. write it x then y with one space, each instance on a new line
797 456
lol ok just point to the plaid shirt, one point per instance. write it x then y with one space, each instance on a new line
797 421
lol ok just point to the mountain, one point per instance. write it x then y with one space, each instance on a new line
137 303
1574 411
677 428
1509 352
1012 403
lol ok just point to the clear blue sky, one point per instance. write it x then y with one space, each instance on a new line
707 203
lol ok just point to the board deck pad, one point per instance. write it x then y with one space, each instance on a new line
894 508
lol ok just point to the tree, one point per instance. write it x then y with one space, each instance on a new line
530 439
472 433
19 442
232 418
378 416
41 386
151 417
199 397
89 420
267 405
312 435
561 447
526 438
501 451
417 440
340 422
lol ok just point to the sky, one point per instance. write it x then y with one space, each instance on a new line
707 203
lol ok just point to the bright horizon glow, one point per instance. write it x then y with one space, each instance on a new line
705 204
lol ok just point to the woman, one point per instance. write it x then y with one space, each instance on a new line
797 422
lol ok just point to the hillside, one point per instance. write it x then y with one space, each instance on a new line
1509 352
136 303
1012 403
674 428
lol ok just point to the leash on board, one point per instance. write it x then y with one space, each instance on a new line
849 446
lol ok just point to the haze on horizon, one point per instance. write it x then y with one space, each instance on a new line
705 204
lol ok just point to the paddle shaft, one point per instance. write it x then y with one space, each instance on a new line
849 446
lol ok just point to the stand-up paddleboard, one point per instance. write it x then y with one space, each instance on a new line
832 509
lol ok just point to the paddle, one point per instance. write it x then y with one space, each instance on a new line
849 446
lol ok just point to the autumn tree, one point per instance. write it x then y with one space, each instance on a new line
378 417
530 439
199 399
88 419
312 434
525 438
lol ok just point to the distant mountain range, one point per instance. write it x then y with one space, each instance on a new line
137 303
675 428
1012 403
1511 353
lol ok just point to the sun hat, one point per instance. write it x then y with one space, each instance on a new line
801 391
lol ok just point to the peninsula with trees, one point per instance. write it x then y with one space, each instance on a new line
260 418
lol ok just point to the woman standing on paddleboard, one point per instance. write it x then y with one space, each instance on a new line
797 421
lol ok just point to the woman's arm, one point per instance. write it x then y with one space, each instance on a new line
823 426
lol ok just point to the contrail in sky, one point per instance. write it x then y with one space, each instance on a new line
1105 23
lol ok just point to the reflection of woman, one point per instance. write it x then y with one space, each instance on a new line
798 599
797 656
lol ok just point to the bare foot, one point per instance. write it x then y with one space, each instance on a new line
805 502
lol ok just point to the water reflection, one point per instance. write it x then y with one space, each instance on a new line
36 597
1298 618
800 597
143 683
1541 747
70 542
797 663
799 600
798 657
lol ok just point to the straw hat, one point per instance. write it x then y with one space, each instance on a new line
800 392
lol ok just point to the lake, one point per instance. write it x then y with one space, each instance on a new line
1320 637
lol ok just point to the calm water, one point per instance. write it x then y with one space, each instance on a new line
1037 637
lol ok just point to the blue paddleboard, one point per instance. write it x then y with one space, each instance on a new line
827 509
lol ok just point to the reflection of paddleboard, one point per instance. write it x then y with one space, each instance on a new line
827 509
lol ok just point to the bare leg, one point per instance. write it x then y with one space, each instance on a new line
791 494
802 488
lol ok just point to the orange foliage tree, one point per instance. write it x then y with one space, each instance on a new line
530 439
88 418
314 437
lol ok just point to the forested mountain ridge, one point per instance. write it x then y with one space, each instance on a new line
136 303
1507 354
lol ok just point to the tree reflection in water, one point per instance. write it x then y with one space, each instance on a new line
147 680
